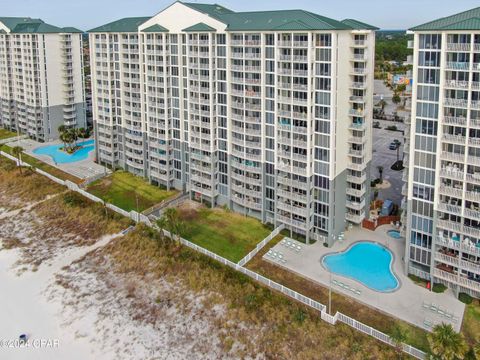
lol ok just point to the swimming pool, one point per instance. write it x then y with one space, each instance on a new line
61 157
394 234
366 262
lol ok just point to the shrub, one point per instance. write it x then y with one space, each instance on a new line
392 128
439 288
465 298
74 200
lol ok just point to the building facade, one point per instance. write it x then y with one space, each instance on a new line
442 218
41 78
268 113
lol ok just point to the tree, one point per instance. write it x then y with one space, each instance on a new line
380 173
445 343
17 152
396 99
398 336
171 222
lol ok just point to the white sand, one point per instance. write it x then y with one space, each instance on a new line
23 309
89 310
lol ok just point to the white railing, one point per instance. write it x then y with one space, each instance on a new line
261 245
259 278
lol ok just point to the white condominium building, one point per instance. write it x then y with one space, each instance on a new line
443 193
41 77
266 112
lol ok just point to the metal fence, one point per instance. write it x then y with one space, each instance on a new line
261 279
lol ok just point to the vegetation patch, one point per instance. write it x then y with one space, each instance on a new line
26 186
471 323
414 336
439 288
129 192
6 134
226 233
465 298
283 329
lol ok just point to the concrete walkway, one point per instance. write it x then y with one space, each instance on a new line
83 169
409 302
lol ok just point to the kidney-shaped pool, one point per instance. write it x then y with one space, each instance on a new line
366 262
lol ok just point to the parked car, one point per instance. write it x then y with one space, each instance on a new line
393 146
396 141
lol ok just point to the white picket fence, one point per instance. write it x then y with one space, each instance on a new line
238 267
304 300
261 245
12 139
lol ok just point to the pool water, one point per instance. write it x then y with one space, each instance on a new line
61 157
366 262
394 234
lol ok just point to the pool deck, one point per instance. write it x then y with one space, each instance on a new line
82 169
405 303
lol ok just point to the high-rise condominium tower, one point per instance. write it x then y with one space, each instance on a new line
267 112
41 77
443 217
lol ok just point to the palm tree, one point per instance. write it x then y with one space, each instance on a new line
445 343
398 335
380 173
171 222
17 152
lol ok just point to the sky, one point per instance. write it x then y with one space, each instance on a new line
385 14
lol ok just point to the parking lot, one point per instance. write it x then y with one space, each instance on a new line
382 156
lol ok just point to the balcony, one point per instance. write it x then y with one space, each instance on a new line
451 65
457 280
357 179
455 139
451 191
289 221
455 84
247 203
453 156
458 245
356 192
357 140
456 102
455 120
356 205
463 47
355 218
359 57
452 209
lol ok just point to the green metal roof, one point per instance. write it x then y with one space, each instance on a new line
121 26
213 10
26 25
358 25
280 20
200 27
155 28
467 20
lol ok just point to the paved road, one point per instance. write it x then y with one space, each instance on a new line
382 156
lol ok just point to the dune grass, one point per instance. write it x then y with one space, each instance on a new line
129 192
226 233
471 323
25 186
415 336
5 134
266 323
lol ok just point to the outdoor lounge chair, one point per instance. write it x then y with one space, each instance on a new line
358 292
441 311
448 315
426 305
427 323
335 282
434 307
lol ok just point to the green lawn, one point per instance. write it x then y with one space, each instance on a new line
5 134
226 233
471 322
43 166
123 189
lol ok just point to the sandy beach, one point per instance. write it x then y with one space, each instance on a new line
71 306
